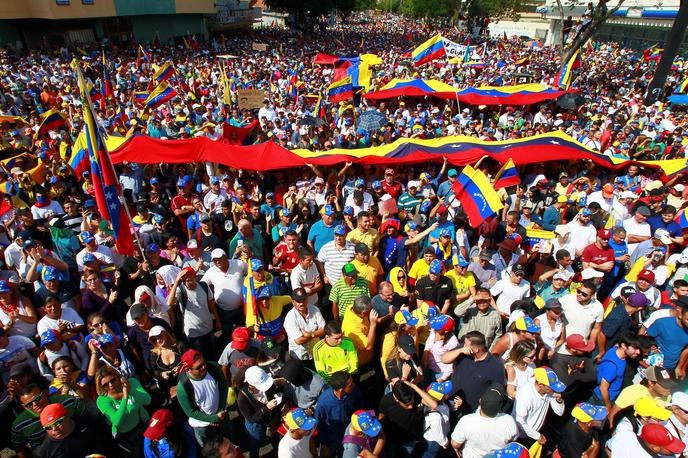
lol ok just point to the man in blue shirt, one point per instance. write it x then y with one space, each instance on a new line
445 188
610 371
671 334
322 232
270 205
333 411
665 220
551 218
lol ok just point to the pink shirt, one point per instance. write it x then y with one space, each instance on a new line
437 349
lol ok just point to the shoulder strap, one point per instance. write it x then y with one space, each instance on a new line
184 297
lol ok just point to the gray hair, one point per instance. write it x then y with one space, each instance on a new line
362 304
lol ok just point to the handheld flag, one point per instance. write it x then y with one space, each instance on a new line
319 110
141 96
653 53
507 175
681 89
106 87
430 50
565 76
105 184
682 219
52 119
477 196
165 71
79 160
340 91
161 94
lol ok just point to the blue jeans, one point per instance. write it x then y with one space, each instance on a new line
432 449
256 435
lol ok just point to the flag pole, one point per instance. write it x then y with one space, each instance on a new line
122 199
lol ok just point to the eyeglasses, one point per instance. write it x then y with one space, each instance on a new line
97 325
582 293
34 401
198 368
54 425
108 382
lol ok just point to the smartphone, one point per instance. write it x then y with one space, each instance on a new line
240 243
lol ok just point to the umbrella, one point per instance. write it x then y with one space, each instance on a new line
372 120
310 121
570 101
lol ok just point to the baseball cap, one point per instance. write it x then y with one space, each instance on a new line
562 199
513 450
256 264
439 390
663 236
264 292
412 184
638 299
549 378
328 210
106 338
445 232
365 422
240 338
648 407
270 348
604 234
442 323
152 248
580 343
460 261
86 237
298 419
137 310
284 212
435 267
553 304
405 317
158 424
270 195
526 323
188 359
361 248
485 255
348 210
204 217
681 301
643 210
561 275
492 400
660 375
428 310
376 184
658 435
155 331
586 413
591 273
340 230
646 275
192 243
518 269
217 253
452 173
678 399
608 189
89 257
49 273
627 290
407 344
51 413
49 336
299 294
350 270
359 182
258 378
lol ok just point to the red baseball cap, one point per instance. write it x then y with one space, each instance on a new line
580 343
240 338
656 434
52 412
647 275
604 234
188 359
159 422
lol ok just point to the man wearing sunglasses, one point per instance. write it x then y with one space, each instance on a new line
66 436
583 313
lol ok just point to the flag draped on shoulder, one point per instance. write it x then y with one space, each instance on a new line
477 196
565 76
106 187
341 90
507 176
161 94
428 51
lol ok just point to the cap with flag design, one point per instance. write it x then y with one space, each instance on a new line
435 267
405 317
513 450
298 419
442 323
549 378
439 390
586 413
365 422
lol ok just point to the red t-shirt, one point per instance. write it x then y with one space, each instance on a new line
286 259
393 189
596 255
178 202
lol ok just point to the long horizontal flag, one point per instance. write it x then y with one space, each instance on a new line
51 120
428 51
341 90
507 176
161 94
518 94
163 73
477 196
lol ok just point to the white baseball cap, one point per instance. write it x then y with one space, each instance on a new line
258 378
628 195
217 253
412 184
680 400
590 273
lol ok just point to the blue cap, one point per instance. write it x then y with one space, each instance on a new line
587 412
585 212
435 267
460 261
49 273
452 173
439 390
298 419
152 248
89 257
4 287
49 336
365 422
405 317
376 184
348 210
154 180
340 230
181 183
328 210
106 338
90 203
264 292
214 180
412 226
284 212
425 206
157 219
86 237
445 232
270 195
359 182
442 323
28 243
256 264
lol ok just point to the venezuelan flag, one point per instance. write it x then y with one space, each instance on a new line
653 53
431 50
319 110
682 219
565 76
360 75
682 88
341 90
106 88
165 71
476 194
79 161
52 119
141 96
161 94
507 176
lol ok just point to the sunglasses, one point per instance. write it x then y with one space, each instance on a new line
54 425
197 368
34 401
582 293
97 324
108 382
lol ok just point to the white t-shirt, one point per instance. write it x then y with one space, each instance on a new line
17 351
633 228
605 204
294 448
20 328
227 287
625 444
296 324
482 435
68 315
305 279
437 424
579 319
207 397
507 293
581 236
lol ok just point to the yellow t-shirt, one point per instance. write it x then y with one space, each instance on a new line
370 238
356 328
461 282
370 272
419 269
631 394
270 314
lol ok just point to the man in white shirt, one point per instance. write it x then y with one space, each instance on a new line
637 228
582 313
298 441
534 399
605 197
654 440
226 279
305 275
512 287
486 430
304 325
583 233
213 200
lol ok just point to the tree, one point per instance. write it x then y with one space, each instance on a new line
427 8
600 15
494 9
311 9
671 45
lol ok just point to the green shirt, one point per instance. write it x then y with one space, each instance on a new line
407 202
126 414
328 359
344 294
27 429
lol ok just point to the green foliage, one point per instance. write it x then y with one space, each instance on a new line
428 8
494 9
363 5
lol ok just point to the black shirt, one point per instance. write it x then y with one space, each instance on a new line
83 441
139 338
437 293
573 441
471 378
401 425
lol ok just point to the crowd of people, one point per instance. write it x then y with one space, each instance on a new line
350 310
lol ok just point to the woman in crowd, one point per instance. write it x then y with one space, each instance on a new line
165 359
17 315
98 297
68 379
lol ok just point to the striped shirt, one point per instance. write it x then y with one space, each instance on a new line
334 259
27 429
344 295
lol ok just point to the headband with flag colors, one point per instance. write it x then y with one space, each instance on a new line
161 94
105 184
565 76
163 73
341 90
507 176
476 194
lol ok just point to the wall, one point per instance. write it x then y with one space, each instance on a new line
167 26
48 9
8 33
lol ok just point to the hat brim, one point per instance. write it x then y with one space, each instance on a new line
558 387
266 385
